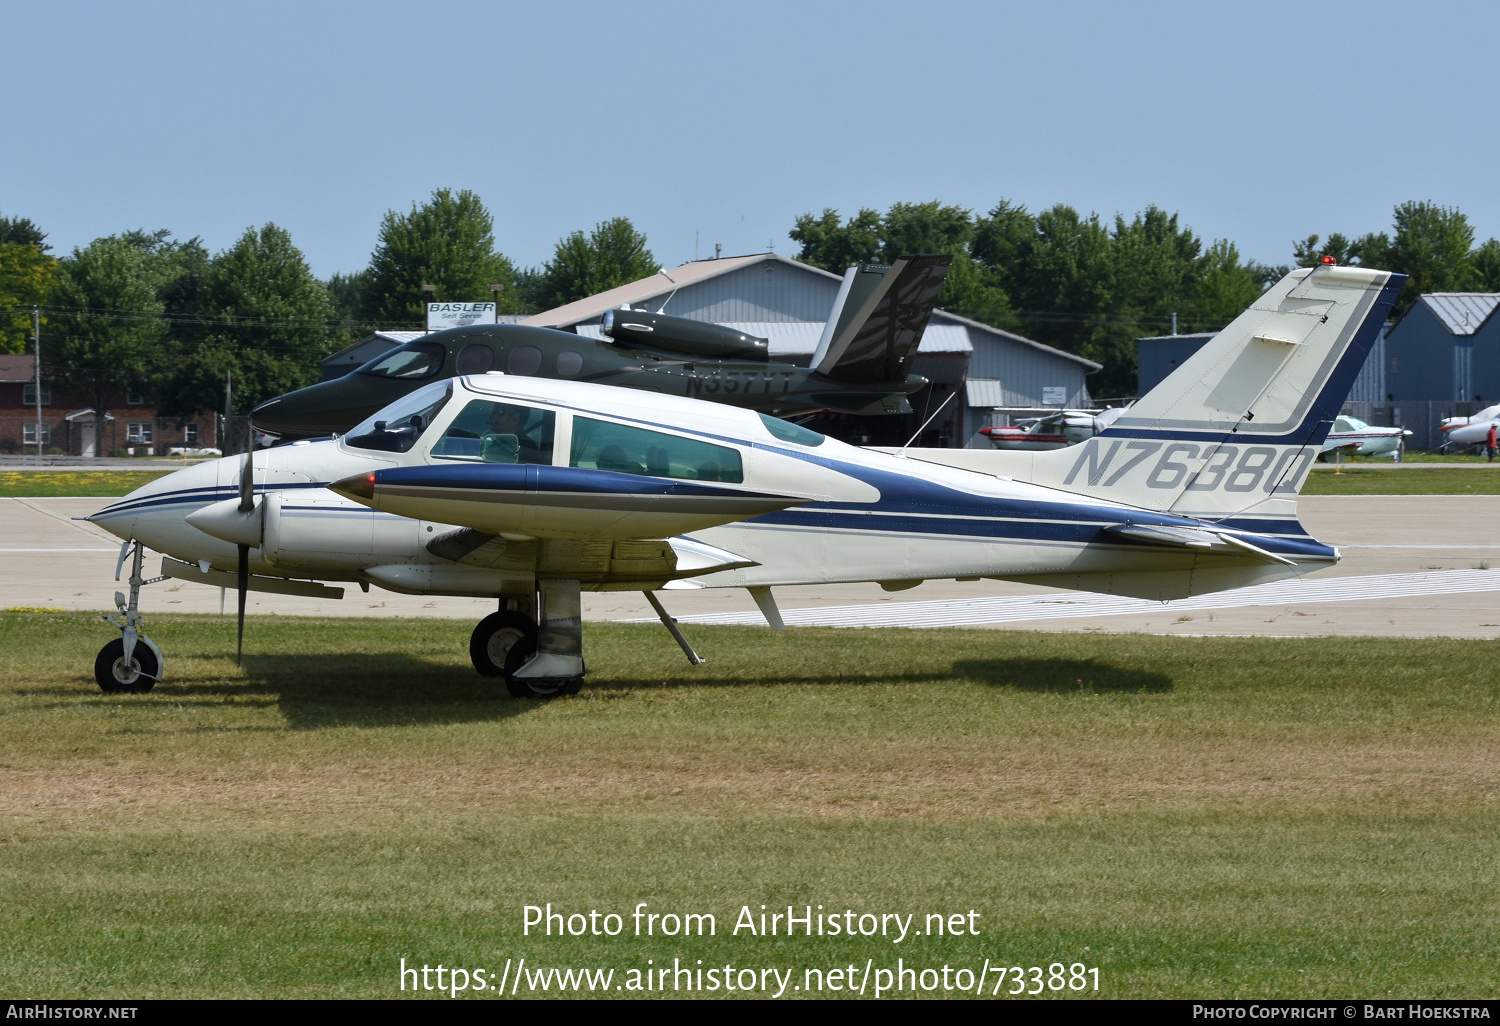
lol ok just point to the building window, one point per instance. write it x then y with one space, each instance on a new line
28 433
135 399
28 395
140 434
190 434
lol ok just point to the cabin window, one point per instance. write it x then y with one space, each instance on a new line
475 359
524 361
410 362
789 432
569 363
491 432
397 427
600 445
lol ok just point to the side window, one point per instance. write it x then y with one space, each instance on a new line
492 432
475 359
524 361
410 362
600 445
569 363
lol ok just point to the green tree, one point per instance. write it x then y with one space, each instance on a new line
834 245
107 329
1225 288
1486 261
262 314
613 254
449 241
28 278
1431 245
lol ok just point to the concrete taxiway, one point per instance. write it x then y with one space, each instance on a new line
1397 578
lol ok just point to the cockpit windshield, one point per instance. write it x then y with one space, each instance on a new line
397 427
411 362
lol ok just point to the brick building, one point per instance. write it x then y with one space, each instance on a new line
68 419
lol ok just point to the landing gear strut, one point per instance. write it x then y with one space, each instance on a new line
131 662
536 661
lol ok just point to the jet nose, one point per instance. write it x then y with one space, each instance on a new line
321 409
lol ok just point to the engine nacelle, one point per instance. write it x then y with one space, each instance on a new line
683 335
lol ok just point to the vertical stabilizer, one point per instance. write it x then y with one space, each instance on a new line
878 320
1233 431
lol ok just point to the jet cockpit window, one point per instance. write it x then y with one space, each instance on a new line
397 427
491 432
474 359
789 432
411 362
600 445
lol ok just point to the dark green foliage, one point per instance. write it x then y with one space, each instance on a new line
833 245
449 241
1486 261
22 231
613 254
107 325
1057 276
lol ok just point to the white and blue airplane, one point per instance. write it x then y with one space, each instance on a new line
531 491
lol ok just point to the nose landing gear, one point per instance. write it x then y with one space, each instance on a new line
131 662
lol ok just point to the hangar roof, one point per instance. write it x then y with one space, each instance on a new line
1462 313
592 307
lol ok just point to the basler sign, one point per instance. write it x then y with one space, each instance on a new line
458 315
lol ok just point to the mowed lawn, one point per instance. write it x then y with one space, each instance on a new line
1195 817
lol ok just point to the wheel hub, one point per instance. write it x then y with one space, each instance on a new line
127 673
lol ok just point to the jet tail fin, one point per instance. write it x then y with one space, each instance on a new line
878 319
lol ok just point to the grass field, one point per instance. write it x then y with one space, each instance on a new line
1195 817
43 483
1433 479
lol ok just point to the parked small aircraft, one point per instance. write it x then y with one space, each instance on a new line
862 363
1464 432
1356 438
530 491
1053 431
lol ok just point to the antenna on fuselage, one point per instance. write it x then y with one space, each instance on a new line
929 420
663 272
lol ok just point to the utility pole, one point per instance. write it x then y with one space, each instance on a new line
495 291
431 292
223 438
36 337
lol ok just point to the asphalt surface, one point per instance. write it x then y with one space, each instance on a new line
1404 550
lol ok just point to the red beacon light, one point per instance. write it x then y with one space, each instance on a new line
1329 260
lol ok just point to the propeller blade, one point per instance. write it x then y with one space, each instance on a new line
244 586
247 483
247 503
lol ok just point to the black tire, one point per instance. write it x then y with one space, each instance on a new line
521 688
497 635
115 677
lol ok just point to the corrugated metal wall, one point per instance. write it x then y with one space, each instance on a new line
1369 386
1022 372
769 291
1419 358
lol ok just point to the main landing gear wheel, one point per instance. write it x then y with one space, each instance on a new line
115 675
497 636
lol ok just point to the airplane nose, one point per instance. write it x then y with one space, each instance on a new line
321 409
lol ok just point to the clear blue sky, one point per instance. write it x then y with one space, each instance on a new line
1259 123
